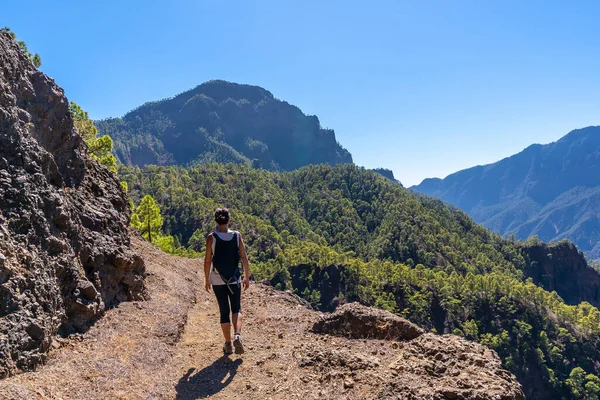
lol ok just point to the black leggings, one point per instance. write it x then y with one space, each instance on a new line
224 297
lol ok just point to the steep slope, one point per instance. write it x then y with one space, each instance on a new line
347 207
552 191
170 347
223 122
64 245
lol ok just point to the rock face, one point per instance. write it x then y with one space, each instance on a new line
64 245
426 366
386 173
562 268
356 321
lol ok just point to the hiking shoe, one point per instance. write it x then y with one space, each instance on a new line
237 343
227 348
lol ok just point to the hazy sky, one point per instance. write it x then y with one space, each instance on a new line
424 88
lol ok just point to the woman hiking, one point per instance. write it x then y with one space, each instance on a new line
224 250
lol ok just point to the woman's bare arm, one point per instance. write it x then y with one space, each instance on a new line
207 262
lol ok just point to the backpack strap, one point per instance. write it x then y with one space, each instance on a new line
234 279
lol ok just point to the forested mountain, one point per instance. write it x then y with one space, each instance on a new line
223 122
552 191
343 233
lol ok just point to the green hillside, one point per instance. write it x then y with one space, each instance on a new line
343 233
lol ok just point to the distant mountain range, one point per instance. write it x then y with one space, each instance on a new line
223 122
551 190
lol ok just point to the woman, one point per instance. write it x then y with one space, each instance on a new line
224 249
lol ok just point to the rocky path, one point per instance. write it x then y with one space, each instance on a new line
126 354
170 348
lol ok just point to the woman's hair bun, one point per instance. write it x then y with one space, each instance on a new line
222 216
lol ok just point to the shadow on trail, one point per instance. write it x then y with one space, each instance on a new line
208 381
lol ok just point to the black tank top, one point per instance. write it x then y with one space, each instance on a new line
226 259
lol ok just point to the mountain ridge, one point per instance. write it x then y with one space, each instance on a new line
225 122
550 190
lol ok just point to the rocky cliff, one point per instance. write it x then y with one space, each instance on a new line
424 366
64 245
562 268
387 173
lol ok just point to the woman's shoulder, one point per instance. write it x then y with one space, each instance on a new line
225 235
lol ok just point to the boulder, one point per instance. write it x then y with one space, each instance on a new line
356 321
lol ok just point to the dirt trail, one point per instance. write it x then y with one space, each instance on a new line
170 347
125 354
277 340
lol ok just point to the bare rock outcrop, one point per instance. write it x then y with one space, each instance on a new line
425 366
64 245
450 367
356 321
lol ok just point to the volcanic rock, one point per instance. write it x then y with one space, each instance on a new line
356 321
450 367
64 245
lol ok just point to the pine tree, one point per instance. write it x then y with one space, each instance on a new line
100 148
149 217
135 221
35 58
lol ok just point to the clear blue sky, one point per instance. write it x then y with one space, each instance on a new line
424 88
